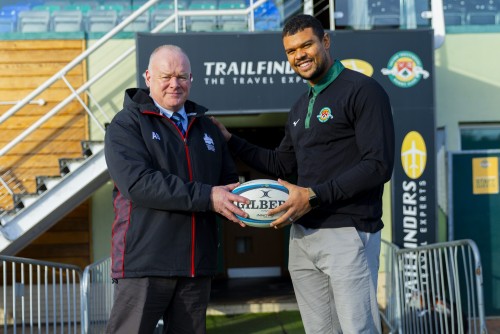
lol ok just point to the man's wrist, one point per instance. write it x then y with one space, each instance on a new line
314 201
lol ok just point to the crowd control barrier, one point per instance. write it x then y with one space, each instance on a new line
39 296
436 288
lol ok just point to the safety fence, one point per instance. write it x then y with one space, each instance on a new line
436 288
39 296
97 296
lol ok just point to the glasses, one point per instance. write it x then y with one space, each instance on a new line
181 78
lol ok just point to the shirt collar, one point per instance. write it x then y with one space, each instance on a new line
331 75
168 113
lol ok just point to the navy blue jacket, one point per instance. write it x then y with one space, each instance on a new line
163 224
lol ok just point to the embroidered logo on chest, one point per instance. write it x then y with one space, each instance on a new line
325 114
209 142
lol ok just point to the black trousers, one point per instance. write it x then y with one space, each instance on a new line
139 303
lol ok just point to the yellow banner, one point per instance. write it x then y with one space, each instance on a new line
485 175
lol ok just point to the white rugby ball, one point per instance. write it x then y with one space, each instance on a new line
264 195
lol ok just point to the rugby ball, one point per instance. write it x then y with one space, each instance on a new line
264 195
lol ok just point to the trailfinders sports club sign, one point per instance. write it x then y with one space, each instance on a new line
245 73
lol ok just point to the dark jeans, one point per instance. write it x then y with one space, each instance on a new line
140 302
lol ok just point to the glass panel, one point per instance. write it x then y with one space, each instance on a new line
480 138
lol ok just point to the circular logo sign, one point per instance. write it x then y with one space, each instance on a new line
405 69
413 155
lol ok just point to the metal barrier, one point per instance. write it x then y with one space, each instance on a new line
39 295
97 296
440 289
388 286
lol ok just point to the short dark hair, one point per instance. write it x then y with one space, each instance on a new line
301 22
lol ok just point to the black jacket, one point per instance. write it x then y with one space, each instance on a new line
163 225
345 152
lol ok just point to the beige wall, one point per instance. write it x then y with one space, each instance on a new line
467 82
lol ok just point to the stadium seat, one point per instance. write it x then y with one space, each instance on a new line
384 14
160 15
141 23
233 22
117 5
202 23
385 21
454 18
101 20
83 8
169 4
67 21
267 17
112 6
33 21
7 22
55 3
15 9
481 18
46 8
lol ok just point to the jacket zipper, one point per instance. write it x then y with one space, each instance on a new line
193 220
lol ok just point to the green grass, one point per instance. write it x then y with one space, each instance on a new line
288 322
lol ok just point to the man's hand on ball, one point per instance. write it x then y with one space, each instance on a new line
222 201
295 207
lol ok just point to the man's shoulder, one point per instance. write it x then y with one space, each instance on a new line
194 109
355 76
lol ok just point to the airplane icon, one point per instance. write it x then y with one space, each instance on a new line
417 159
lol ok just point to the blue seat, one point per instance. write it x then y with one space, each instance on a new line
15 9
7 22
267 17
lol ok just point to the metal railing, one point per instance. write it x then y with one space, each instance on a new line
39 295
388 284
97 296
436 288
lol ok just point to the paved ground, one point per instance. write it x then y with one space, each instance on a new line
251 295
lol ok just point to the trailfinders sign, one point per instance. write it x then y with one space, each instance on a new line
248 73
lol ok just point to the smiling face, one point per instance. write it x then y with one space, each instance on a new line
308 55
169 78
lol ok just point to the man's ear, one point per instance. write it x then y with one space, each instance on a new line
326 41
147 78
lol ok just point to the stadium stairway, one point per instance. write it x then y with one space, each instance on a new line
55 197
